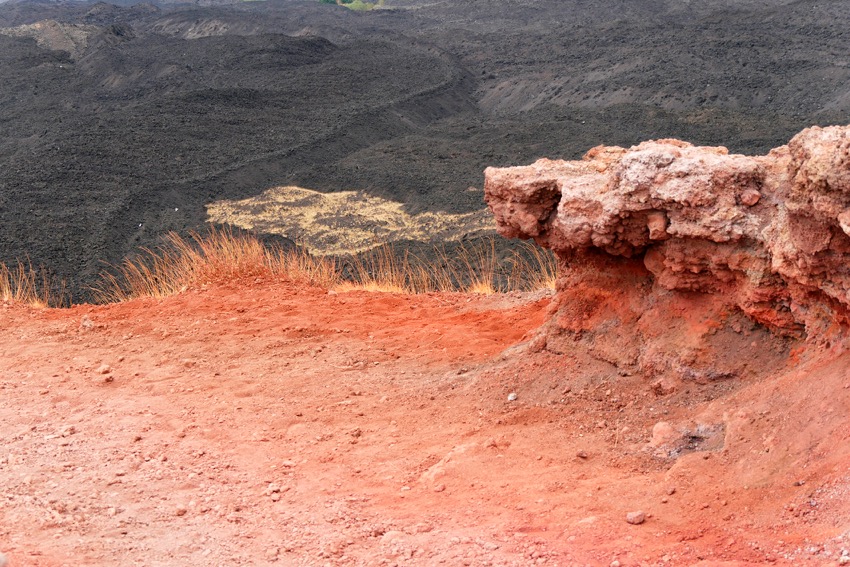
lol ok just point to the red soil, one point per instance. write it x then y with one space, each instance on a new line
273 424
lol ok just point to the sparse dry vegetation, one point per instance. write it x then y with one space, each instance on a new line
217 257
533 268
223 256
25 285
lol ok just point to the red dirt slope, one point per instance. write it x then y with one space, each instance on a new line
269 424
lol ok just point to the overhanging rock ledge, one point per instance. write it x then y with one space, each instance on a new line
769 235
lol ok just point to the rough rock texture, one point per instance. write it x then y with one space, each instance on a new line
768 234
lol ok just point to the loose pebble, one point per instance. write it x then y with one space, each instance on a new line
750 197
636 518
512 397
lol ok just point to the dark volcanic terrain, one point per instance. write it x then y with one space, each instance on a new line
122 122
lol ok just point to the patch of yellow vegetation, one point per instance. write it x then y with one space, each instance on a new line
54 35
23 284
348 222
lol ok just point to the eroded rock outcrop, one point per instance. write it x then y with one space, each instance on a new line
769 235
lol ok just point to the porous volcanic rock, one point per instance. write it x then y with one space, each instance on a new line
768 234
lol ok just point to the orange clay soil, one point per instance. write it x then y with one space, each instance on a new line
270 424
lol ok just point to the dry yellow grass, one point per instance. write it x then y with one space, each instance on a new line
480 265
472 268
533 268
23 284
222 256
381 270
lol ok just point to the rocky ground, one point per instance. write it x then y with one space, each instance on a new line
121 123
638 419
266 424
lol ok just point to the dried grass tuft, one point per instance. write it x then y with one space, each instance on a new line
471 268
24 285
218 257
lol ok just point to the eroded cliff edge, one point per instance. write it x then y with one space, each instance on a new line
690 236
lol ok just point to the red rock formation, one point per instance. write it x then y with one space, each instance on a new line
766 234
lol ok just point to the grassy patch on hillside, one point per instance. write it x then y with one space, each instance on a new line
25 285
358 5
223 256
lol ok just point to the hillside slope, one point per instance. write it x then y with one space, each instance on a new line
266 424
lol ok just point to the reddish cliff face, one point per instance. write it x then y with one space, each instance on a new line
766 234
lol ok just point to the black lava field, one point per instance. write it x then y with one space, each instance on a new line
122 122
